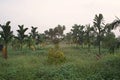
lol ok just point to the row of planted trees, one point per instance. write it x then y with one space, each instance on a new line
8 37
31 40
98 34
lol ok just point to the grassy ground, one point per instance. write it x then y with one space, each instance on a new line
80 65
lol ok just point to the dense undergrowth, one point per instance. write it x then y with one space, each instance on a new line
79 65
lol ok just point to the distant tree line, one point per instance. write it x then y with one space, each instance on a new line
99 34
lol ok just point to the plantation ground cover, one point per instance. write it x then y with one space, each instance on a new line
79 65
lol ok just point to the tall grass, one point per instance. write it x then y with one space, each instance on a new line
80 65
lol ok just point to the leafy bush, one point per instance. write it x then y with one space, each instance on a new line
111 68
32 48
55 55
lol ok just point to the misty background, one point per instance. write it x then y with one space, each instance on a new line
46 14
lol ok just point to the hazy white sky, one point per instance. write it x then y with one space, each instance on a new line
49 13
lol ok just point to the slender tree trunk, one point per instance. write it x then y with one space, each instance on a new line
89 47
4 51
21 45
88 44
29 45
6 56
99 46
99 49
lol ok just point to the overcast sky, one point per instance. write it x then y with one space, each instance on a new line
46 14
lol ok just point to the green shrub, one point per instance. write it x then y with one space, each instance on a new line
56 56
111 68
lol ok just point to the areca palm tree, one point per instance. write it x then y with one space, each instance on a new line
51 33
58 34
88 35
55 34
33 35
115 23
21 34
78 33
29 41
99 28
68 37
40 38
33 32
6 35
59 30
114 43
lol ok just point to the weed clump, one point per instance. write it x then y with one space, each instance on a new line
55 55
32 48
